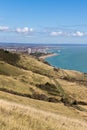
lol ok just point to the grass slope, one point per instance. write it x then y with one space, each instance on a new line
24 79
7 69
19 117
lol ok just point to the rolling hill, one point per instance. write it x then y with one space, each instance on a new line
37 96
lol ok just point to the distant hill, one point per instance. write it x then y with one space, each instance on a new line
25 80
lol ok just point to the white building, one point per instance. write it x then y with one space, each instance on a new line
29 50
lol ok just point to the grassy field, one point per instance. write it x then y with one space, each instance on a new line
18 117
58 108
36 96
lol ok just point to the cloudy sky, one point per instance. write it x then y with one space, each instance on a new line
43 21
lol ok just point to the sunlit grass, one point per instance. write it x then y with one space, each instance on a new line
31 79
14 116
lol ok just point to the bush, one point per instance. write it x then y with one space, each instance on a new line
50 88
10 58
56 69
39 96
68 101
53 99
46 63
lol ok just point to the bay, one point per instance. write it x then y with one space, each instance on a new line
69 57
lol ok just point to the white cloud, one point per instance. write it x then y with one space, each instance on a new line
56 33
24 30
31 29
79 34
53 32
4 28
68 34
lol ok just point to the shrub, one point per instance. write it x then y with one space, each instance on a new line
11 58
38 96
50 88
56 69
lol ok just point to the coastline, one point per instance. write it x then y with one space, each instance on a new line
48 55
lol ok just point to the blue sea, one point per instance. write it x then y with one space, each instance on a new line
72 57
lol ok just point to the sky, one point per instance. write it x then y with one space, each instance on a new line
43 21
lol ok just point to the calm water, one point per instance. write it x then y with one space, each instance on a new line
70 57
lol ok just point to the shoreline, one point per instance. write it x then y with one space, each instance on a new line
48 55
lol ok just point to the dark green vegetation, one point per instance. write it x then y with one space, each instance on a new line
38 54
11 58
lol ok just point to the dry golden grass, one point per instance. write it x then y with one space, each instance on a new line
58 108
84 107
9 83
25 80
73 73
79 92
23 84
30 63
39 115
18 117
10 70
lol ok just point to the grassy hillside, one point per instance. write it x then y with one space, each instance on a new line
7 69
14 116
51 95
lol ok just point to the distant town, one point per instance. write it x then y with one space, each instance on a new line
27 48
24 49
